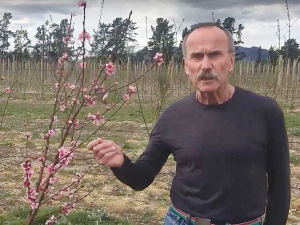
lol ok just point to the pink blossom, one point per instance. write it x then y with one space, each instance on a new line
61 61
53 180
41 159
66 39
26 182
126 97
34 205
83 64
72 86
76 123
32 193
62 107
67 209
96 87
89 101
98 119
63 151
86 34
57 85
84 89
105 96
65 56
110 68
81 3
27 168
132 89
66 85
75 101
55 119
51 132
50 168
73 143
28 135
8 90
158 58
102 89
91 116
51 221
69 122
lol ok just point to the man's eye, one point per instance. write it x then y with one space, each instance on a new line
214 54
198 56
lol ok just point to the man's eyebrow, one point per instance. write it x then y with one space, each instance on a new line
206 52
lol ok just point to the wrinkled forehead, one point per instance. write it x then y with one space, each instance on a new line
207 39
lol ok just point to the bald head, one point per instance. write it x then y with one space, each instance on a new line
229 38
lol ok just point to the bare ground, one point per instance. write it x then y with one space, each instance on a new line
143 207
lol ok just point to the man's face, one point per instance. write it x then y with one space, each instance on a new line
207 59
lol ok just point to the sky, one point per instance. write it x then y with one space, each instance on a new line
259 17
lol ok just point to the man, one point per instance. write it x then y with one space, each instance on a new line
229 145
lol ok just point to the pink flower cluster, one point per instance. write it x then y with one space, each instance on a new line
159 58
75 101
67 209
28 172
49 134
51 221
65 156
7 90
64 58
89 101
126 97
96 119
132 89
28 135
84 34
81 3
110 68
31 193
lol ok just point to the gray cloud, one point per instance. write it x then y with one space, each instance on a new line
217 4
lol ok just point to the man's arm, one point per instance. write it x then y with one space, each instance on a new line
141 174
138 175
278 169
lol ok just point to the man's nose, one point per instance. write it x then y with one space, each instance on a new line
206 63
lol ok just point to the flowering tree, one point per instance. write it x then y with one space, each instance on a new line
43 186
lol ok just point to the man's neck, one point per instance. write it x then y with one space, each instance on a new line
215 98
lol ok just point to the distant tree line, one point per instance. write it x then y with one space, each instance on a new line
116 39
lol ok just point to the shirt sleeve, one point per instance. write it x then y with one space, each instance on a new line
141 174
278 169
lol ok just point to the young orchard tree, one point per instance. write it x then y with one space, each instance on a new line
5 33
162 39
22 43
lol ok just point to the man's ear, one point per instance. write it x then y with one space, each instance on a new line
186 67
232 59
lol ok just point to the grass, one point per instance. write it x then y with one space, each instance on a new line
79 217
292 122
295 159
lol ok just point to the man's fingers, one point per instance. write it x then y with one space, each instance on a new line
93 143
99 154
106 157
103 145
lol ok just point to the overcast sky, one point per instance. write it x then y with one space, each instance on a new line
259 17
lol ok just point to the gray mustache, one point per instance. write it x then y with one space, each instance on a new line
202 74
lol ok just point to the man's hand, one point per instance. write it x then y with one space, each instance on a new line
107 152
